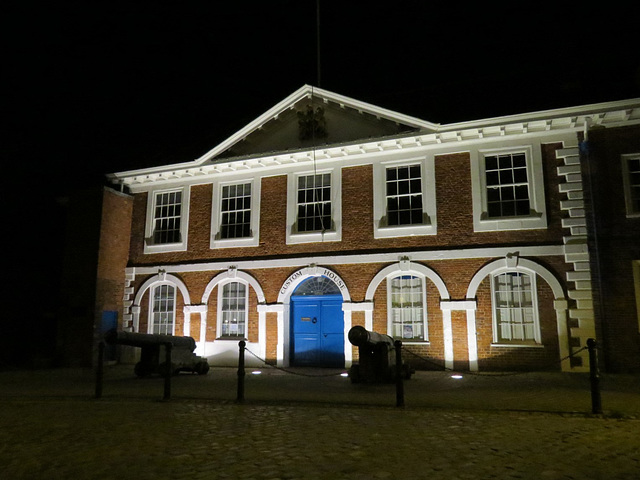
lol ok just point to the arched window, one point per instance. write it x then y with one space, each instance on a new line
232 310
163 309
515 308
317 286
407 308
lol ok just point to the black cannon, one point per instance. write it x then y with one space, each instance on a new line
153 355
377 357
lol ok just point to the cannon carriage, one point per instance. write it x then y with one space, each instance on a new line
377 354
153 353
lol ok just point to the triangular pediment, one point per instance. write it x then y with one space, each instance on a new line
313 117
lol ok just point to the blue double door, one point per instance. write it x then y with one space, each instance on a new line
317 331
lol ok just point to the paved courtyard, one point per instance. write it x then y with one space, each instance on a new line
305 427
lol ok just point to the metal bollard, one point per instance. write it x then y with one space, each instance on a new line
241 372
100 370
594 377
399 379
168 371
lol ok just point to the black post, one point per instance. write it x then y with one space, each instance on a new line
594 376
399 380
100 370
241 373
168 346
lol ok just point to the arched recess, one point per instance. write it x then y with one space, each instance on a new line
515 264
160 279
284 313
406 267
225 349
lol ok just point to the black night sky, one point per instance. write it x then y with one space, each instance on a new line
97 87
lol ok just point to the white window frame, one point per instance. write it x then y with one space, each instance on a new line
626 181
424 307
497 340
152 294
429 225
333 234
537 219
216 215
221 286
149 246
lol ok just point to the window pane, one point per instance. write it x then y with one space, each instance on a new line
407 309
236 211
404 195
314 203
167 218
508 175
514 307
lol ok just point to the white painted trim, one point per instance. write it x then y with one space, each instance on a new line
357 306
230 275
512 263
428 180
627 186
447 338
216 214
413 268
537 334
425 256
425 317
152 292
284 299
458 305
149 246
538 217
332 233
525 264
567 120
219 312
162 278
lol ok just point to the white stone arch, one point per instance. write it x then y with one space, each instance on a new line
514 264
161 278
233 275
284 312
406 267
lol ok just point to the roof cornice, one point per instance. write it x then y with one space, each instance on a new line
620 113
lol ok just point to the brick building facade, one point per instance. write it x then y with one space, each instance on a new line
468 241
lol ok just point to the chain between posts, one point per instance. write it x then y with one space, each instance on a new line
168 346
292 372
502 374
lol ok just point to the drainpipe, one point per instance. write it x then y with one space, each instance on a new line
596 276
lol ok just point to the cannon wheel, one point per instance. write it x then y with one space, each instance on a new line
141 370
202 368
162 369
354 373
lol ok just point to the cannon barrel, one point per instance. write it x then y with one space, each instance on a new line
360 337
114 337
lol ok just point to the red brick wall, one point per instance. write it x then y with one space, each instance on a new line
614 243
113 251
454 207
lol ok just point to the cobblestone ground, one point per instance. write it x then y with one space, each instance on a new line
77 438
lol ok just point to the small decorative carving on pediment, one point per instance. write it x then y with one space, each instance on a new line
312 124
